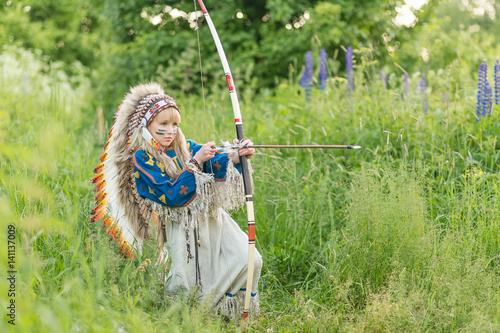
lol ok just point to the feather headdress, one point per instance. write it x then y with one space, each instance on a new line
124 214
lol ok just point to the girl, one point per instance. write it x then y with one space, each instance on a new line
151 172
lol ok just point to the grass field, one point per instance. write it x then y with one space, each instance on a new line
403 235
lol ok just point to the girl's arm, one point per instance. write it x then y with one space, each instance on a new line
153 183
218 164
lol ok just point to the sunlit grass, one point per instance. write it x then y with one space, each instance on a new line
400 236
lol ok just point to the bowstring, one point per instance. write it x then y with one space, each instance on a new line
205 112
201 74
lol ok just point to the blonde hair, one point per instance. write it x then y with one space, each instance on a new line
172 115
168 114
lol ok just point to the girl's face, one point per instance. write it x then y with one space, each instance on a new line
164 126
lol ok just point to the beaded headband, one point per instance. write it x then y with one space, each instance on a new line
148 117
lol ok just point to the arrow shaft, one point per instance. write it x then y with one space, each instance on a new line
305 146
293 146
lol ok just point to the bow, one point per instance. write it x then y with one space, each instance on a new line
243 160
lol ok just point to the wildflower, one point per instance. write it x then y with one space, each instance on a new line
349 68
323 75
487 98
480 88
307 78
423 90
484 92
497 82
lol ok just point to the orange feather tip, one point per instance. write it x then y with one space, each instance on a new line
97 178
123 245
103 157
98 208
127 250
113 231
99 168
98 216
101 185
107 222
157 146
100 196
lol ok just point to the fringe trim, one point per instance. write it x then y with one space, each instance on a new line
232 307
230 195
210 196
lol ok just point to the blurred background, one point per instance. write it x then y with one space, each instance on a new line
117 44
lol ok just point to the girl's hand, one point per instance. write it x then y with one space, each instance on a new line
248 152
206 152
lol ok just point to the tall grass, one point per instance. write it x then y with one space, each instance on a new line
400 236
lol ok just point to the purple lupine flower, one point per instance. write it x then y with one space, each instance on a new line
383 77
496 78
349 68
484 97
480 89
423 91
488 91
306 81
323 75
485 100
406 85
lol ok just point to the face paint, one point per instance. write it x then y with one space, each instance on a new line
164 133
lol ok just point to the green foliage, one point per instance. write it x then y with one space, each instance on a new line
326 23
125 43
446 37
63 30
151 41
387 227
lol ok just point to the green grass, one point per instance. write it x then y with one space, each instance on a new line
400 236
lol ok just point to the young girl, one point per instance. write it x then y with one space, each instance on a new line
150 172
